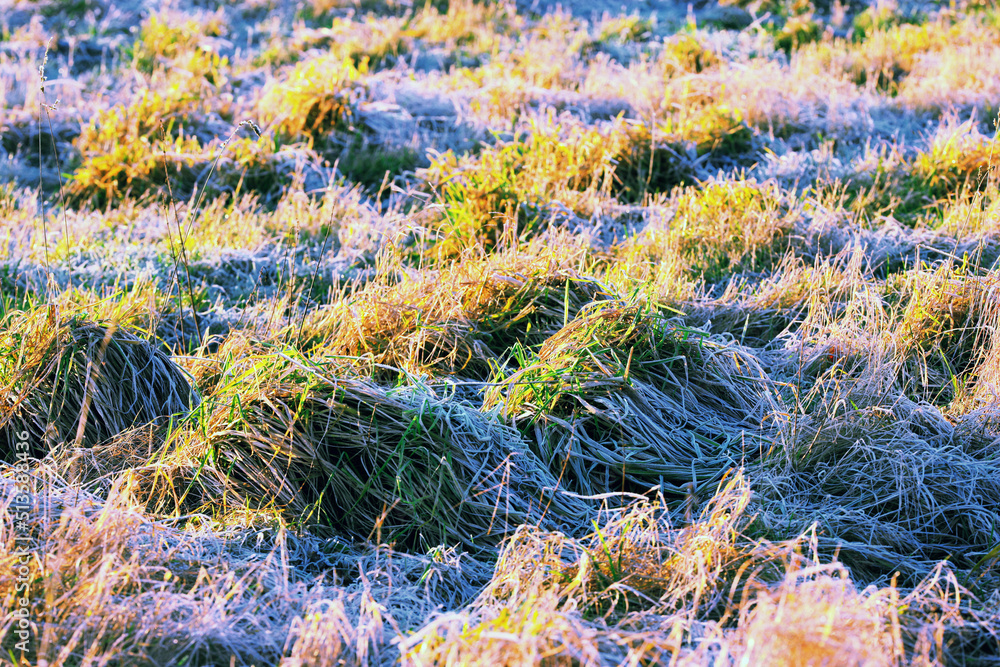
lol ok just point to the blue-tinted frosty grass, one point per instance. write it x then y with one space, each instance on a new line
499 337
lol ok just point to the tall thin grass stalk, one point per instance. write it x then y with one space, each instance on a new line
170 241
319 261
41 193
192 215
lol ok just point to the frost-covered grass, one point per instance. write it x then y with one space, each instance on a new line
493 333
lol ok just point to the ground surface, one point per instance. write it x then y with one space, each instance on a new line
455 333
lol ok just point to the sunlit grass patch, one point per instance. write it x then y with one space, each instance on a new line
377 42
146 591
624 29
481 195
151 476
961 77
885 183
756 312
975 217
383 34
137 308
943 331
158 144
959 162
817 616
133 148
718 229
882 17
326 10
225 222
504 82
555 596
986 390
166 40
798 31
315 97
685 54
467 24
496 289
920 333
947 185
716 129
885 57
679 150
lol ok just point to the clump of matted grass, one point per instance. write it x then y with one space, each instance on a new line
459 320
400 466
138 465
894 484
79 382
621 399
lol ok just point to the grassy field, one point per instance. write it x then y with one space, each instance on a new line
373 332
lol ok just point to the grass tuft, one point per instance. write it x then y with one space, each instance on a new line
81 383
622 399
